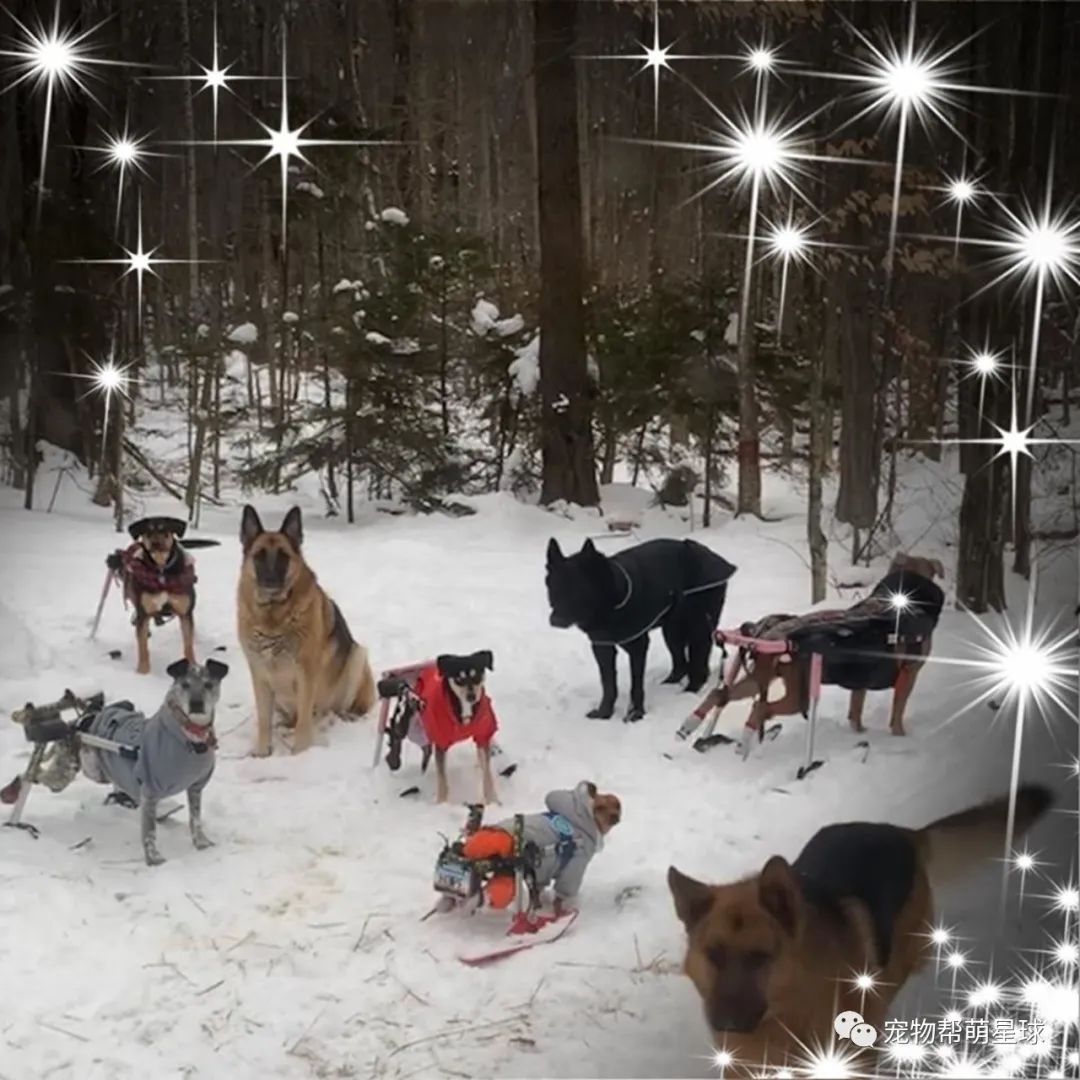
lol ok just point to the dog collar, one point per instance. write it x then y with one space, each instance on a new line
200 735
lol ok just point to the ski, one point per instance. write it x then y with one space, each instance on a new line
549 930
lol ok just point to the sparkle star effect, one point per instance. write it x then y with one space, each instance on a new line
909 82
656 58
1039 248
139 262
56 58
108 379
790 243
1024 863
123 152
961 191
216 78
286 142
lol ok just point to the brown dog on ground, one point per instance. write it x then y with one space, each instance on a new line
158 579
766 669
773 957
302 657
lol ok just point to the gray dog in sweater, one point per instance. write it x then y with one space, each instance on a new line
151 758
565 839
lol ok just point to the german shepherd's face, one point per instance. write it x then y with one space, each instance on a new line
917 564
465 677
272 560
742 943
581 587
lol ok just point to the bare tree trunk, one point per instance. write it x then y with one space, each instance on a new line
566 433
820 436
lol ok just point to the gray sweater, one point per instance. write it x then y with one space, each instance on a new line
566 872
168 761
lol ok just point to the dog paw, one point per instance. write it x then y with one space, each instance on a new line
153 856
142 669
301 743
201 841
633 714
674 677
260 750
893 730
601 712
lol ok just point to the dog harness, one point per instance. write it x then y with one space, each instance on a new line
442 726
566 845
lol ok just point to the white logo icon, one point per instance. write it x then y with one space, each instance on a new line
850 1025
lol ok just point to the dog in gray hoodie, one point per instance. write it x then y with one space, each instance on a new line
565 838
151 758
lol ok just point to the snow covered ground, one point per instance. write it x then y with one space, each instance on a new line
293 947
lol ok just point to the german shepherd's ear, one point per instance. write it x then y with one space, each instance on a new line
485 659
554 553
217 669
692 898
778 893
178 669
293 528
937 567
251 528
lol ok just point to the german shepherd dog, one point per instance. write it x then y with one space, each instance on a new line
773 956
159 581
677 585
768 668
303 658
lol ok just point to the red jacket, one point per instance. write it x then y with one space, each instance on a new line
441 724
176 577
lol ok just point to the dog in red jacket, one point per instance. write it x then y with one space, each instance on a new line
455 708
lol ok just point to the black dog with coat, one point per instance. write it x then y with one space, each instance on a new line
678 585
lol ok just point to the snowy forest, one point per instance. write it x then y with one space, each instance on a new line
408 369
504 287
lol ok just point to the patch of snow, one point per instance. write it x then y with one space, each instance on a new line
484 316
244 334
507 327
203 330
6 288
63 288
436 262
524 369
290 317
486 320
405 346
393 216
345 285
731 332
375 338
311 189
698 336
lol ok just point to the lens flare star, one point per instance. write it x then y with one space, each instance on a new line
961 191
56 58
906 83
286 142
215 78
139 262
110 380
123 152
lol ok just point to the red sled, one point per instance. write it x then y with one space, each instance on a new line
528 932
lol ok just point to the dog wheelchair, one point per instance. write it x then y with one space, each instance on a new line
855 652
60 752
400 710
496 880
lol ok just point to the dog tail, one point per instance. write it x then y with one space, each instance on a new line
954 846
